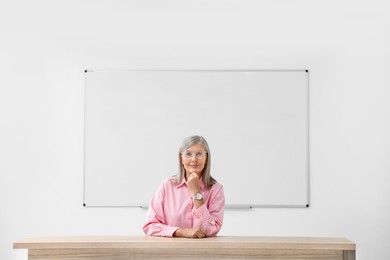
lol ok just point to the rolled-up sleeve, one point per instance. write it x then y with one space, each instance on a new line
209 216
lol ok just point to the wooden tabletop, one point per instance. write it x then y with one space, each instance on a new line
220 242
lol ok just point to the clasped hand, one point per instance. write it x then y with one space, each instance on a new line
189 233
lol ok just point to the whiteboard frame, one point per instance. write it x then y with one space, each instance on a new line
227 206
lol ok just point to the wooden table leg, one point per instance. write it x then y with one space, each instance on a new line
349 255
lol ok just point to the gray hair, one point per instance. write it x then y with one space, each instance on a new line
187 143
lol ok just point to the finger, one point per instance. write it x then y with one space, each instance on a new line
199 233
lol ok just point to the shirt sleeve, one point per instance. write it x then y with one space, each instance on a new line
209 218
155 220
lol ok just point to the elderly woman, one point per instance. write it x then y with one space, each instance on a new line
190 204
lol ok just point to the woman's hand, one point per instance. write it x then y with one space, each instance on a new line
189 232
193 183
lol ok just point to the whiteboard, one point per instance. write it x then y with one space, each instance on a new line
255 121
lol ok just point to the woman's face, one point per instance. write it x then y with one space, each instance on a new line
194 159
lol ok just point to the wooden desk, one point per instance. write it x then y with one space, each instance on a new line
120 248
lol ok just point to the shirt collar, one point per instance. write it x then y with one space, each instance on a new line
183 182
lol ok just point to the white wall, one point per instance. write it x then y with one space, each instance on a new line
46 45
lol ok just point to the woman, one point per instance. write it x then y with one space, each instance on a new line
190 204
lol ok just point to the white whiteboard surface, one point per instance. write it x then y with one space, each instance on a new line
256 124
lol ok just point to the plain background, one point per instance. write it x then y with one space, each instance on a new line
46 45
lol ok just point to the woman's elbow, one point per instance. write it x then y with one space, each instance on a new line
148 229
212 232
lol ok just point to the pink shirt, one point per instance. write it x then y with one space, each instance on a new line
172 207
